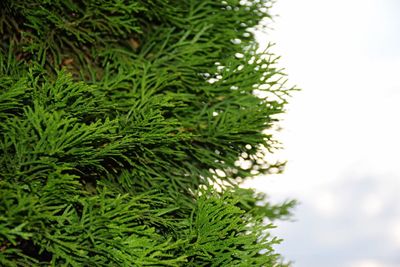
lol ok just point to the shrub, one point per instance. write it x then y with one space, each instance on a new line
126 129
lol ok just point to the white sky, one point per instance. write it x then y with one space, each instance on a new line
341 132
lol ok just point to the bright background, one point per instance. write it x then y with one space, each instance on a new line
341 132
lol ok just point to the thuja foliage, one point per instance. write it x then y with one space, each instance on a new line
126 129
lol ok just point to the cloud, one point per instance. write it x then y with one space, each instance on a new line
359 224
369 263
341 132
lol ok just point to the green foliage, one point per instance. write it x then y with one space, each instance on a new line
122 129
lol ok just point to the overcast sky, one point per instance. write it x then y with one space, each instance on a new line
341 132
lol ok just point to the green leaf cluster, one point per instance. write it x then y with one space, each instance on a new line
126 128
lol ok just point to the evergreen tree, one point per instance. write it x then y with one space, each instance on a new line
126 129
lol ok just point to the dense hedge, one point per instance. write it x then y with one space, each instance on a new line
126 128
